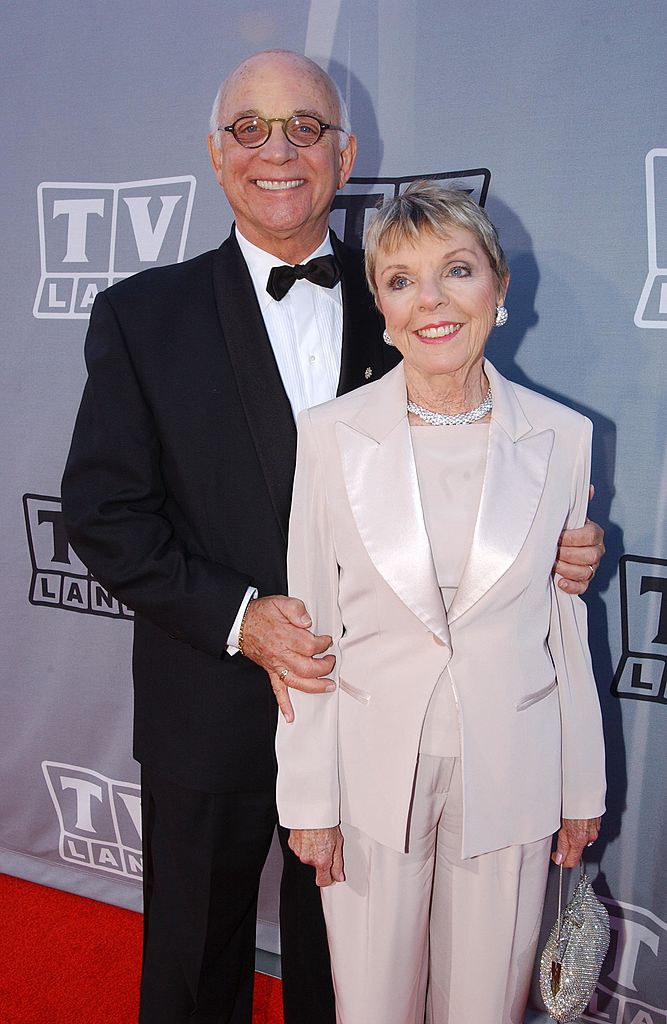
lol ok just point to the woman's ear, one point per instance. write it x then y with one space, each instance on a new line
502 292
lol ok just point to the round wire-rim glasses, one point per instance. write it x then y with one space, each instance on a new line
300 129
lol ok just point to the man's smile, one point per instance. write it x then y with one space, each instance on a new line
274 185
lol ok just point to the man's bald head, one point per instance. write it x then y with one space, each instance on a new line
291 62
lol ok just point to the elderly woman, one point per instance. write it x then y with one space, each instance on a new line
464 729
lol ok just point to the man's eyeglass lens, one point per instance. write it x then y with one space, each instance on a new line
252 132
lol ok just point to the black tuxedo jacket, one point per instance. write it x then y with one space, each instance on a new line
177 493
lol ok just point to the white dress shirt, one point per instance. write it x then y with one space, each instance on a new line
306 333
305 328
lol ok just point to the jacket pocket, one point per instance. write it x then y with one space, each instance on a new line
533 698
360 695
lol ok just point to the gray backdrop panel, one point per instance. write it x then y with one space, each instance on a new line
106 172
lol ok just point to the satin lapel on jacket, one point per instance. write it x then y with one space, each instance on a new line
267 408
361 356
516 470
383 491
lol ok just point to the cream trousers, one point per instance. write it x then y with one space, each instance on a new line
427 936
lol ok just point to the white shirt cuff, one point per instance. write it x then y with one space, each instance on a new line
233 638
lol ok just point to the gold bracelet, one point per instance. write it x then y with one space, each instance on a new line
240 643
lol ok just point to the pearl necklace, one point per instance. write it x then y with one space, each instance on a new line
439 419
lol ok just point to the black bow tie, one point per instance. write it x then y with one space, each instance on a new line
323 270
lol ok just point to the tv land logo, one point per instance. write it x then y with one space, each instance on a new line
59 577
642 671
92 234
99 819
356 205
632 973
652 306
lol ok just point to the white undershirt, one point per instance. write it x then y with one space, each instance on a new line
305 330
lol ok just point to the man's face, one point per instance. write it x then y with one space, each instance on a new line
281 194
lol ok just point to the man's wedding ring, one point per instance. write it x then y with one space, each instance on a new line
592 572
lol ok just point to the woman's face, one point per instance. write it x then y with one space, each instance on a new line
439 298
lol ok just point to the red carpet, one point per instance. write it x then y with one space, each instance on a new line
69 960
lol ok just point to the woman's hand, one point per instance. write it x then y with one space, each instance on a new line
323 849
574 835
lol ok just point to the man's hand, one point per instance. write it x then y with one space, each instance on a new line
579 555
575 834
323 849
276 636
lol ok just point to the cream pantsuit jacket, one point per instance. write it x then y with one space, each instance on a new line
516 646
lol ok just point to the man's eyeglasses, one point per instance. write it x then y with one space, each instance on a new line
300 130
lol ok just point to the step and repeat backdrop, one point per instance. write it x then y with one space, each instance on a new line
554 116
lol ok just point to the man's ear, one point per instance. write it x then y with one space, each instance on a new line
347 158
215 156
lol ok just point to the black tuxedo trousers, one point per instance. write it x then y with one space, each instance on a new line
176 494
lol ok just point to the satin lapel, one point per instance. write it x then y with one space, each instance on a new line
361 356
516 470
267 408
383 491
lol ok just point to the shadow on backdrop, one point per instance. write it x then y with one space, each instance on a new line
502 350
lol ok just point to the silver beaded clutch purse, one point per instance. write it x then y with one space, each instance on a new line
572 958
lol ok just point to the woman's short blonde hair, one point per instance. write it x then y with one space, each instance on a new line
426 207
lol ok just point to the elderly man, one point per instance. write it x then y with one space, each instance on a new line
177 494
